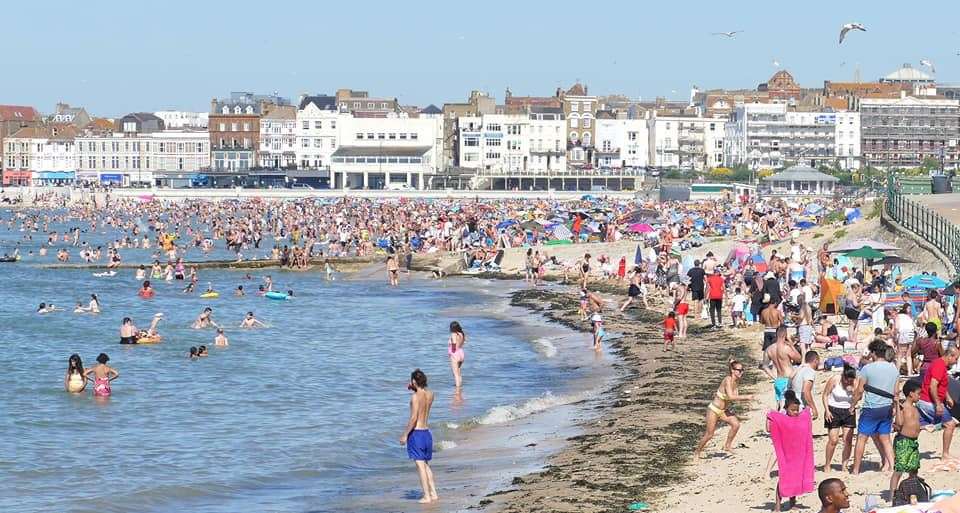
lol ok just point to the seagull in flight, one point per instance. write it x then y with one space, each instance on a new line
927 63
848 27
730 34
776 63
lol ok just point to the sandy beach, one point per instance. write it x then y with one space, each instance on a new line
641 447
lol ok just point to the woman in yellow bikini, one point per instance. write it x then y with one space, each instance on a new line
717 409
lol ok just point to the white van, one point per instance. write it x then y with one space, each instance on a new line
397 186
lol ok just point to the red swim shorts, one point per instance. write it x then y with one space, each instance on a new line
683 309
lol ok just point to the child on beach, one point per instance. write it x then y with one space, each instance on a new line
906 450
669 331
598 331
739 303
583 304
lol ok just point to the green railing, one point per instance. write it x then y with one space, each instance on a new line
923 222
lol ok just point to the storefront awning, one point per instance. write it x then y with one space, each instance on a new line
57 175
111 179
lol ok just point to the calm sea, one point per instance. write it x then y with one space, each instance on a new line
302 416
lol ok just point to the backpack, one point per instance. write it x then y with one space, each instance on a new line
911 486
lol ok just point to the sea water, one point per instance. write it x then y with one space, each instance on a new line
302 416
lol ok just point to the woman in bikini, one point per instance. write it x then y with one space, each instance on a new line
682 308
717 409
455 351
102 376
74 381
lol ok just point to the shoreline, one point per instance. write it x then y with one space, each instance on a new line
637 444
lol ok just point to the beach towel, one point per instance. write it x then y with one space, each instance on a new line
793 442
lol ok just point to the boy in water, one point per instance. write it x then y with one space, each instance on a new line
669 331
417 437
906 450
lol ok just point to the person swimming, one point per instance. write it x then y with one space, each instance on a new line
249 321
102 376
202 351
45 308
74 381
221 339
193 354
146 291
128 331
205 319
239 292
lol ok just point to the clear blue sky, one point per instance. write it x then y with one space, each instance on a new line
115 57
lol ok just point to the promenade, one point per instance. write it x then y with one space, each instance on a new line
947 205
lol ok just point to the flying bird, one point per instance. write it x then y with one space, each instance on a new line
776 63
730 34
848 27
927 63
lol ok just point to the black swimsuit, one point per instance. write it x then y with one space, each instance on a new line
128 340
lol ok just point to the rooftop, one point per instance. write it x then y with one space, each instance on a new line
381 151
801 174
17 113
907 73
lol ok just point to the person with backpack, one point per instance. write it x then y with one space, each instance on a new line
906 449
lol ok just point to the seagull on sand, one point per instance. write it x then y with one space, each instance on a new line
927 63
848 27
730 34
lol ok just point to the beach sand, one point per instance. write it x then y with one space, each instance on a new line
641 447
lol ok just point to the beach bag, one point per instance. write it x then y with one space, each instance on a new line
911 486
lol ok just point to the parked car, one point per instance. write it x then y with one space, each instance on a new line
397 186
302 186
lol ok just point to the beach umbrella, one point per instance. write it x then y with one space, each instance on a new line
924 281
640 228
893 260
560 231
581 214
865 252
506 224
805 225
859 243
531 225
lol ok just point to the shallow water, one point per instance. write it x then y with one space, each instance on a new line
302 416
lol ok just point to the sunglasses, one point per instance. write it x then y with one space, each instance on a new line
738 369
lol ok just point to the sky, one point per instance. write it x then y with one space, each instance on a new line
116 57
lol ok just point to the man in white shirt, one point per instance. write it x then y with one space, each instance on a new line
803 379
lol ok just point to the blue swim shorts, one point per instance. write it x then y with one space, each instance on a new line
875 421
780 387
420 445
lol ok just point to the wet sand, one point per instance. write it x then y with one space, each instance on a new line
649 420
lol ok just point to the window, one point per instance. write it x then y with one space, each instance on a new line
586 138
494 141
318 124
586 122
574 106
246 127
469 141
246 142
318 143
371 105
606 146
403 135
413 136
573 122
470 157
513 145
360 135
306 142
381 135
513 129
493 155
92 161
631 136
573 136
383 106
356 105
391 136
667 125
306 125
493 127
369 135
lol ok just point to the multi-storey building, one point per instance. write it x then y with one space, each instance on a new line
361 104
495 142
547 140
479 104
373 152
234 128
278 137
622 143
176 119
12 119
769 136
685 142
317 131
580 110
48 154
143 158
903 131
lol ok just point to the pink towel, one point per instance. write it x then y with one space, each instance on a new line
793 441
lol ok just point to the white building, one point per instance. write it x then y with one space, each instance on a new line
126 159
497 143
547 140
622 143
317 131
178 119
48 153
278 138
685 142
768 136
374 151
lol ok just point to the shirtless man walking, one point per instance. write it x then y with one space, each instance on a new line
417 437
772 318
783 356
